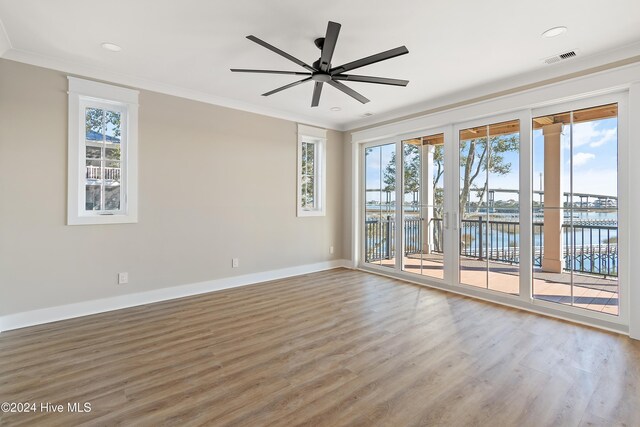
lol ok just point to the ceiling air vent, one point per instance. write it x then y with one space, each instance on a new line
561 57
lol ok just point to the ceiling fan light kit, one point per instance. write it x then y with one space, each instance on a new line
321 71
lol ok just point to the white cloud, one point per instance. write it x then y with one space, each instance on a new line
586 133
610 135
580 159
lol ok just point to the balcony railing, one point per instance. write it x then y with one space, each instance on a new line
93 172
588 248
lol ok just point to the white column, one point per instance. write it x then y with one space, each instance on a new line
553 259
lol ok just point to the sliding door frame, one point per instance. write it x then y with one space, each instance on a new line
449 252
621 83
623 201
362 199
524 165
452 190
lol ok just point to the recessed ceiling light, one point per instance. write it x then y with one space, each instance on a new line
367 114
112 47
555 31
335 109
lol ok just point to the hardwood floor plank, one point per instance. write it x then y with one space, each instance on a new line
335 348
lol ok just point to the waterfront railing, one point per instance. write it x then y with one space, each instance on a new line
590 248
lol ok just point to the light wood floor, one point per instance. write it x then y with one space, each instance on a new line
337 348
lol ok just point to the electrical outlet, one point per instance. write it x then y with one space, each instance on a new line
330 249
123 278
235 262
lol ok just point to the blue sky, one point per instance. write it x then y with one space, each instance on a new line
594 153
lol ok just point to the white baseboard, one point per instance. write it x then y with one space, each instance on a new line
85 308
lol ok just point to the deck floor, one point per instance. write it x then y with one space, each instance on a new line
590 292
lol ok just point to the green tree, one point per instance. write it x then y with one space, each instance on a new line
104 122
94 121
476 157
411 154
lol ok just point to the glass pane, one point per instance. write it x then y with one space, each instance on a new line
308 199
303 192
503 228
93 172
412 206
94 124
473 206
310 159
112 171
303 159
373 198
576 216
112 196
92 197
423 205
388 205
489 202
308 176
112 153
112 127
379 235
93 152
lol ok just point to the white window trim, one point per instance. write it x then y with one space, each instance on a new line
85 92
318 137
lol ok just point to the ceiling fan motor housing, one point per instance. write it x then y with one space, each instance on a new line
321 77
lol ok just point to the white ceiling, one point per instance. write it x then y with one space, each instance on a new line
457 49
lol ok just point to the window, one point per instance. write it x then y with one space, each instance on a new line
311 171
102 153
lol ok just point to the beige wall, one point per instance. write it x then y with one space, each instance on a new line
215 183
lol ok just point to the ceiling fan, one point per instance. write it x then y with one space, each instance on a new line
321 71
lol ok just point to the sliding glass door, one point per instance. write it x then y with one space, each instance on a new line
520 207
575 208
380 205
423 205
489 206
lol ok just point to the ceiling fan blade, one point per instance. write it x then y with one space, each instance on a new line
294 73
369 60
369 79
330 40
317 90
346 89
286 86
280 52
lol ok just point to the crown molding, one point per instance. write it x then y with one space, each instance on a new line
543 76
97 73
